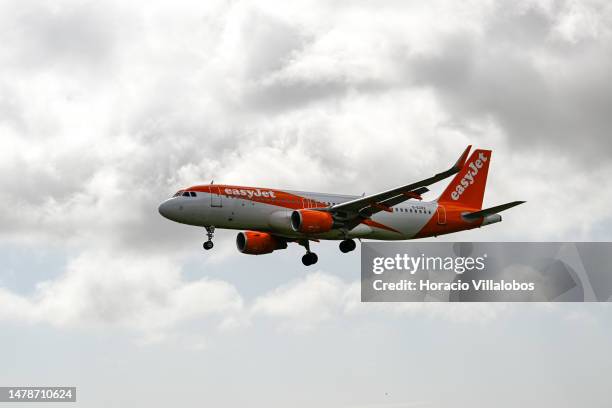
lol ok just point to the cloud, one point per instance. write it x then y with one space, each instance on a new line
106 111
151 300
261 94
304 303
63 36
317 298
147 296
540 81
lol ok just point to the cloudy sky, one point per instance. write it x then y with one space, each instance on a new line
108 108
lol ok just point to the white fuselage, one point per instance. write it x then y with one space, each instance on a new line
273 215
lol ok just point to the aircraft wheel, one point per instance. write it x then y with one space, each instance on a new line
347 245
310 258
208 245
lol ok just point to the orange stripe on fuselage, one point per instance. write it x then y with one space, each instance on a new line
261 195
272 196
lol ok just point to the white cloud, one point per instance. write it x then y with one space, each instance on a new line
262 94
145 295
319 297
150 299
105 112
304 303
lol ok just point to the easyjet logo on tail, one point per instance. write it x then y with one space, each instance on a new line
468 178
250 193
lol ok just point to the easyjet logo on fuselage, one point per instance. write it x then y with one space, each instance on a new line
468 178
250 193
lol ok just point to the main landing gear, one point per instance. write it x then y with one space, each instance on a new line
210 230
309 258
347 245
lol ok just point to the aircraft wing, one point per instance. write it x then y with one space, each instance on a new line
368 205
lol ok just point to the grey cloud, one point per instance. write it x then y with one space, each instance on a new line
350 129
269 43
64 34
564 107
271 47
180 103
11 111
295 93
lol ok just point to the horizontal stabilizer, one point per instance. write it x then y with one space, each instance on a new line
489 211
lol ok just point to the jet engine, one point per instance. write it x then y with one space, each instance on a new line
311 221
258 243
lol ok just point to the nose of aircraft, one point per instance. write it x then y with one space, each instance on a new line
164 209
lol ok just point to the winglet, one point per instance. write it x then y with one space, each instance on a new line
461 162
456 168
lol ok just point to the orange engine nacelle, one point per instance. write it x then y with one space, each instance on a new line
311 221
258 243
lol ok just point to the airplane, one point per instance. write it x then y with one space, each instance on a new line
272 218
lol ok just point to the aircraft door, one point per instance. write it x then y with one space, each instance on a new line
215 197
441 215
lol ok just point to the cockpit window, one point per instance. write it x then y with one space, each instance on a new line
182 193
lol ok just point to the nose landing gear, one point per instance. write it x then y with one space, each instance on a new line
347 245
210 230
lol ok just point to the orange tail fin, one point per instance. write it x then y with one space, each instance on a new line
468 187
